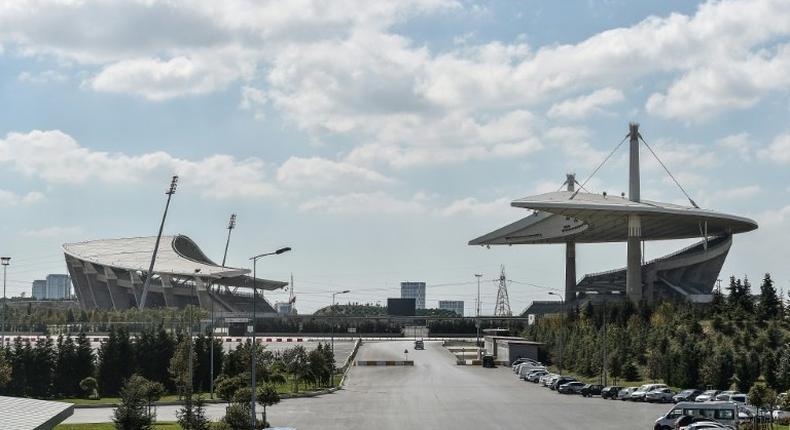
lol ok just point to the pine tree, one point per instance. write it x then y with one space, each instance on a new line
85 359
769 307
132 411
42 365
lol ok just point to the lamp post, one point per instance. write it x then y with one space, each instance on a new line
562 322
332 331
478 276
231 226
170 191
5 261
253 349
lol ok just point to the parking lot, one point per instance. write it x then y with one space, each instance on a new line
437 394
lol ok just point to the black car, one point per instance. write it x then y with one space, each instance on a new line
686 396
418 344
488 361
610 392
590 390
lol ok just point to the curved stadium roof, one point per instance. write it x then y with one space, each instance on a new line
593 218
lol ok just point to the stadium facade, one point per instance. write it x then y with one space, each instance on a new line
110 273
571 216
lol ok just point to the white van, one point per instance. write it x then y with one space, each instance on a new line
527 367
723 412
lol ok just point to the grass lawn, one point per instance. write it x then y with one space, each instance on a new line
111 426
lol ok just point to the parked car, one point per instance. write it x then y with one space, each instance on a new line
551 379
561 380
639 394
535 375
590 390
725 413
707 396
488 361
573 387
661 395
736 397
418 344
610 392
779 414
525 368
522 360
625 393
686 395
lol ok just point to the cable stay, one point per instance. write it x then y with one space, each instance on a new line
693 203
581 186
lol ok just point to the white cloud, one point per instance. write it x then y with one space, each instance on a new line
322 173
584 106
44 77
473 207
778 151
54 232
157 79
10 198
253 99
379 203
741 144
56 157
773 217
574 144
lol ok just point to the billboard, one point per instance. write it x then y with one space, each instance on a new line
401 307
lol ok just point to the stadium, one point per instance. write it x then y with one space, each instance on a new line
110 273
571 216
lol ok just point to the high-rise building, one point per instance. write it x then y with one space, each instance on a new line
58 287
39 289
413 290
456 306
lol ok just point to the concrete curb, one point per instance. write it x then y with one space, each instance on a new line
384 363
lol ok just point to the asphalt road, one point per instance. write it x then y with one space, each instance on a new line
436 394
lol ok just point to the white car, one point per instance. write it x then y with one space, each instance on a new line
707 396
661 395
640 392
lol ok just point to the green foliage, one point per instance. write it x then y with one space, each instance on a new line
5 369
88 386
192 415
769 306
226 386
762 396
267 396
133 413
116 362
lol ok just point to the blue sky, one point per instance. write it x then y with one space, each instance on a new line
377 138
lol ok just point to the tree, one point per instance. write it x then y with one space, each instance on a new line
5 369
227 386
267 395
761 396
88 386
116 362
40 375
179 365
85 360
192 415
296 364
132 413
769 306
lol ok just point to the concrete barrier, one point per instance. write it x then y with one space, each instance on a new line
384 363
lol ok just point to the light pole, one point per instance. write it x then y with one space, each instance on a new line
562 322
170 191
332 331
231 226
254 348
5 262
478 276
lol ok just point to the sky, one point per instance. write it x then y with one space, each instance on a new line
377 138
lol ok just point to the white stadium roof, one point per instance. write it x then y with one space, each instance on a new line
177 255
565 216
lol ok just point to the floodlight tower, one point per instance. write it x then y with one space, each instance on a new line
170 191
231 226
502 308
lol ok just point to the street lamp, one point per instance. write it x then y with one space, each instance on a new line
253 350
332 331
5 261
478 276
562 322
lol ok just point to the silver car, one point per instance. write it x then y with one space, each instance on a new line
625 393
661 395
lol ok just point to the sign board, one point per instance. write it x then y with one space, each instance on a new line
531 319
237 320
352 329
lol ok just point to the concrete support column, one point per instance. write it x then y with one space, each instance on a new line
633 275
570 252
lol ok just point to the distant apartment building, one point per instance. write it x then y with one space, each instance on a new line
456 306
414 290
55 287
39 289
